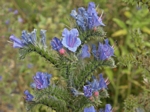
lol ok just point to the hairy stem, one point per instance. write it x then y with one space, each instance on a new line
85 75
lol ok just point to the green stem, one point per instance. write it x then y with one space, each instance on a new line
87 74
129 76
117 89
44 54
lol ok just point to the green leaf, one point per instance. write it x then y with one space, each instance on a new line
120 23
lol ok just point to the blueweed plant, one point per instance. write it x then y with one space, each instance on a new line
76 60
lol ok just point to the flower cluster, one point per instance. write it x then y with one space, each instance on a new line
41 80
104 51
95 86
28 39
87 19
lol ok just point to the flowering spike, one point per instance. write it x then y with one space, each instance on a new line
87 19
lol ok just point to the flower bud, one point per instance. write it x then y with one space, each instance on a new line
62 51
96 93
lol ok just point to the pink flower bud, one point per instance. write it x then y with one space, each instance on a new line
96 93
62 51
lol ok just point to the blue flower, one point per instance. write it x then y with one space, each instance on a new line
41 80
95 85
87 19
15 12
108 108
29 96
102 83
105 50
85 52
91 8
89 109
94 51
17 42
7 22
1 78
70 39
29 38
43 37
74 14
56 44
87 91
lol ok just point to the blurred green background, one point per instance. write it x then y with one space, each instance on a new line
54 15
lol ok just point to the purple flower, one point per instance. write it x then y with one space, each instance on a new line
28 97
74 14
56 44
108 108
70 39
87 19
85 52
41 80
91 8
20 20
89 109
29 38
15 12
17 42
0 78
87 91
7 22
94 21
95 85
102 83
30 65
94 51
43 37
105 50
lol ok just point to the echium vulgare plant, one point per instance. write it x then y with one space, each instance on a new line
76 59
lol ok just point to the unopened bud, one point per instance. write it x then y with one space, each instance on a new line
62 51
96 93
